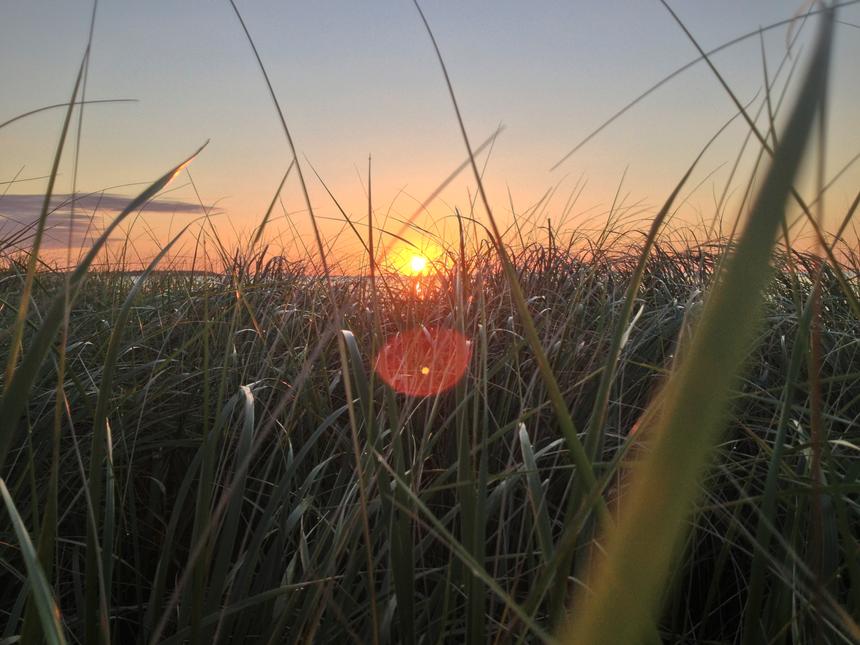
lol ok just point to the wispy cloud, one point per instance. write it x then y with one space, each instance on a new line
82 215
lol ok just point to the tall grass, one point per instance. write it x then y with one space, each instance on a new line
291 555
656 439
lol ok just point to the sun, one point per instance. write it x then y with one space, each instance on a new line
419 260
418 264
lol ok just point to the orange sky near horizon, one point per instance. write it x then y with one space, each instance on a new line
358 81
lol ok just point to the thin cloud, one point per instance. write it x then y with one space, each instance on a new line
19 214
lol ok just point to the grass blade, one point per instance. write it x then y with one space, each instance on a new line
49 613
584 470
628 582
536 496
752 632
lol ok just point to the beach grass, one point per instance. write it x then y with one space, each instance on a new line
656 436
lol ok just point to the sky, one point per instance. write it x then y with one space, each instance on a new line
360 79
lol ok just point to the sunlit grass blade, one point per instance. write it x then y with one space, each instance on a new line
628 581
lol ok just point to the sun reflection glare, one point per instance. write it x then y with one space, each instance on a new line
424 361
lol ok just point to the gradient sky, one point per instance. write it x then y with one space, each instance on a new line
358 78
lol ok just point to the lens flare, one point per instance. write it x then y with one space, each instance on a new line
424 361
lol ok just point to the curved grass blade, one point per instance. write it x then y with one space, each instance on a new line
49 613
358 374
45 108
683 68
229 530
338 318
813 221
33 260
629 581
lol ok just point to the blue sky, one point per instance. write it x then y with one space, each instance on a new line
359 78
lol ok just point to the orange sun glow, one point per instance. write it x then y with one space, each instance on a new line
418 260
418 265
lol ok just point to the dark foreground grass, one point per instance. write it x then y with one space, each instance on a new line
204 363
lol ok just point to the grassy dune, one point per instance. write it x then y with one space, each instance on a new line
654 440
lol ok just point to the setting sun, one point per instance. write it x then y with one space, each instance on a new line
417 264
421 259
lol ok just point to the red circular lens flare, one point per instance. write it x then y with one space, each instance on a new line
424 361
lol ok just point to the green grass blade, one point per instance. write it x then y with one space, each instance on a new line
359 376
242 605
584 469
629 581
32 261
536 496
49 613
226 543
752 630
168 551
466 558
